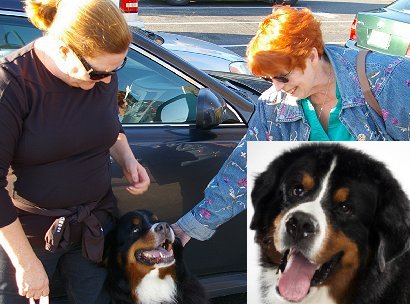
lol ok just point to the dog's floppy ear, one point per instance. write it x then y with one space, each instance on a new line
265 190
178 248
392 222
259 195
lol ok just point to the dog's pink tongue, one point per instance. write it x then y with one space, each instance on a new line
294 283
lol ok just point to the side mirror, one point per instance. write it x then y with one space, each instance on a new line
209 110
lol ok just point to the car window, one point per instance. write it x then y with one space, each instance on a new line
153 94
401 6
15 32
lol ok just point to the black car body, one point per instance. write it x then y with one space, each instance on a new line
181 124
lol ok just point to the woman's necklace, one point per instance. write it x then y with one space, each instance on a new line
325 99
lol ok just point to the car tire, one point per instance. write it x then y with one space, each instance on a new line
283 2
177 2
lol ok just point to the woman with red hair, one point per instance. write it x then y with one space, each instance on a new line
288 50
315 96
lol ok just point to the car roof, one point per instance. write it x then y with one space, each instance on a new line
15 5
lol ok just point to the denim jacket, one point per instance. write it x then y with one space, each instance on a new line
279 118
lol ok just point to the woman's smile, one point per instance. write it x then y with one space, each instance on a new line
291 91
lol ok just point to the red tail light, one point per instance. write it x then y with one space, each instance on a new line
353 30
129 6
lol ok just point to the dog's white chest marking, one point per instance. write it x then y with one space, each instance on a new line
268 283
153 289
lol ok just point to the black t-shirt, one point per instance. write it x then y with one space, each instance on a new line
55 137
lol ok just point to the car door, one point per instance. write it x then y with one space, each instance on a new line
160 123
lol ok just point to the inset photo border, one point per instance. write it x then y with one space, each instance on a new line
395 155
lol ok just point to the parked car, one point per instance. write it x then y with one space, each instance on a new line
385 30
130 9
181 124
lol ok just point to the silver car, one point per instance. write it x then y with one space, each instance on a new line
202 54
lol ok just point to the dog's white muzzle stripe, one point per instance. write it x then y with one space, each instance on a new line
315 209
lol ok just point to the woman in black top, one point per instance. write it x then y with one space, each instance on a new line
58 126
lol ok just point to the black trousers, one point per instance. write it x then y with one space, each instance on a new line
73 278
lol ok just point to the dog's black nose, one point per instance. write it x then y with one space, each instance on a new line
162 227
300 226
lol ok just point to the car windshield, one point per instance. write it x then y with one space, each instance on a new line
401 6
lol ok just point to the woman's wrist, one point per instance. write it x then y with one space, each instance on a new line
16 245
179 233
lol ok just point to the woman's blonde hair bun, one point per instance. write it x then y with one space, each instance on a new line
88 27
41 13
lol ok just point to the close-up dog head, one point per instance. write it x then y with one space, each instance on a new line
325 217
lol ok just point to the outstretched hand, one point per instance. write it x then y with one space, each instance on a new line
179 233
136 176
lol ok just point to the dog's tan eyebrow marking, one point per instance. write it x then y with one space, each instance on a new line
307 181
341 195
136 221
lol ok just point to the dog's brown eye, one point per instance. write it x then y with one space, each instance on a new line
298 190
345 207
135 230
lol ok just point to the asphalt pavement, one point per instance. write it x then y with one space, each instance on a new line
232 24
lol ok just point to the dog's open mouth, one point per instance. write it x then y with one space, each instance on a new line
299 274
163 255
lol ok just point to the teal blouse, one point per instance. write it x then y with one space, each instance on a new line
336 131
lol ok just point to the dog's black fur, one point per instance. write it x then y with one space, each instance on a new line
376 218
127 267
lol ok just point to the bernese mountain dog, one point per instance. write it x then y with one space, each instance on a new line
333 227
145 263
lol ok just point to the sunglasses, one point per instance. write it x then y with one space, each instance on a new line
96 75
280 78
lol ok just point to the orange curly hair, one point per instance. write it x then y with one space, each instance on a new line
284 41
